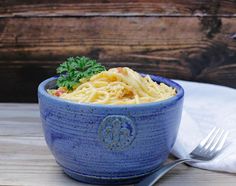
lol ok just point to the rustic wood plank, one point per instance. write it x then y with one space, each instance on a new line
45 8
12 120
25 159
190 48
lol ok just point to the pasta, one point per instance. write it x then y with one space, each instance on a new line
119 86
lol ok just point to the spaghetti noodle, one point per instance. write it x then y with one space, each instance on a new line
118 86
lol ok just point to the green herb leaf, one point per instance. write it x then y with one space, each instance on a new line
76 68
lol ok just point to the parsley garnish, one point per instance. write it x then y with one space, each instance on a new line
76 68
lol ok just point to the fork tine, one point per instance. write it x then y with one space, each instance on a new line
212 138
221 143
217 139
204 141
210 146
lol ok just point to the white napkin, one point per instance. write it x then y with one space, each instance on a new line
207 106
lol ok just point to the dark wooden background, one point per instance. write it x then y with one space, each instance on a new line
190 40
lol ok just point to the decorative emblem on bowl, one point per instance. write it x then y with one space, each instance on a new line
117 132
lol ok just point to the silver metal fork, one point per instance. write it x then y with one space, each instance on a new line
208 149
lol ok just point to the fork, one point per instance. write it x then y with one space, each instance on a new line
207 150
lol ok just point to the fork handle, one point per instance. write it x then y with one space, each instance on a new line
154 177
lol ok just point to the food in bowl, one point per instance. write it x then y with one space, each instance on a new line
115 86
109 144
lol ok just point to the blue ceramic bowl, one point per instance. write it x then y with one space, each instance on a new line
105 144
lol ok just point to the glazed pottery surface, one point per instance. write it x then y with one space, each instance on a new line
109 144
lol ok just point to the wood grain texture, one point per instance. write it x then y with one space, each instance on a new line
57 8
191 40
26 161
190 48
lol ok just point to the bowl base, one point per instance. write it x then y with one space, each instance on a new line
104 181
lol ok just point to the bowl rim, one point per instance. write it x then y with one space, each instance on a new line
180 94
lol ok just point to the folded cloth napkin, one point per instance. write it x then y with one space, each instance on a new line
207 106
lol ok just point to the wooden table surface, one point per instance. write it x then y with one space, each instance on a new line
25 159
